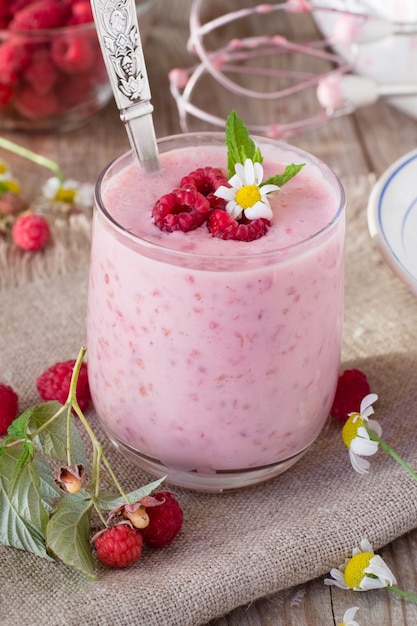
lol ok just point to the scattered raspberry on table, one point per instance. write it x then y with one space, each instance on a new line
165 520
8 407
54 383
352 387
31 232
11 203
120 546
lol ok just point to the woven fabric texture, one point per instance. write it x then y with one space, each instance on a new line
238 546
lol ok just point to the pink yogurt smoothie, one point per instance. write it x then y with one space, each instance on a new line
213 355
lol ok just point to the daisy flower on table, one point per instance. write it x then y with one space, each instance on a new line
365 571
356 436
362 436
348 618
7 181
69 191
11 200
246 195
57 188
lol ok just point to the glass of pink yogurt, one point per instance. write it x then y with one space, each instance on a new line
215 362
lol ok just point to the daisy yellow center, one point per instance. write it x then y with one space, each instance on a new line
350 428
12 185
2 168
247 196
65 195
354 572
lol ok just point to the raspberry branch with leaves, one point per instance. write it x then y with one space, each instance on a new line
49 490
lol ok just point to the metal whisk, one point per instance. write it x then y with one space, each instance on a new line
330 65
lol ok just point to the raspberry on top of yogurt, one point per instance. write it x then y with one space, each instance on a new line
233 205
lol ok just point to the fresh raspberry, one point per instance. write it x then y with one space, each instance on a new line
81 13
352 387
11 203
206 180
16 5
54 383
42 14
6 93
72 55
4 14
224 226
14 57
182 209
31 232
34 105
120 546
75 89
8 407
165 520
41 72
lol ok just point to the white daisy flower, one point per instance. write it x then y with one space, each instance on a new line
365 570
69 191
348 618
7 178
356 436
246 195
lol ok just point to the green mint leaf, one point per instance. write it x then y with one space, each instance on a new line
257 157
52 441
109 501
239 144
281 179
23 517
68 533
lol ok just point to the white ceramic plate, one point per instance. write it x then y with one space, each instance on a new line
392 218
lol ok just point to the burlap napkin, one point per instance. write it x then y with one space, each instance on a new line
239 546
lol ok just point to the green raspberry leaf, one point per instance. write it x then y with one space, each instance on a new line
23 516
18 428
68 533
280 179
28 452
48 488
52 441
239 144
108 501
24 493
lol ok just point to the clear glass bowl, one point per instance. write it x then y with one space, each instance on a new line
54 80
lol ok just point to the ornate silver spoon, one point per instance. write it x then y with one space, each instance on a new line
118 33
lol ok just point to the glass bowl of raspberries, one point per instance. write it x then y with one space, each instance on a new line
52 74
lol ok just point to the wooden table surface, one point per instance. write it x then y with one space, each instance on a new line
365 142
